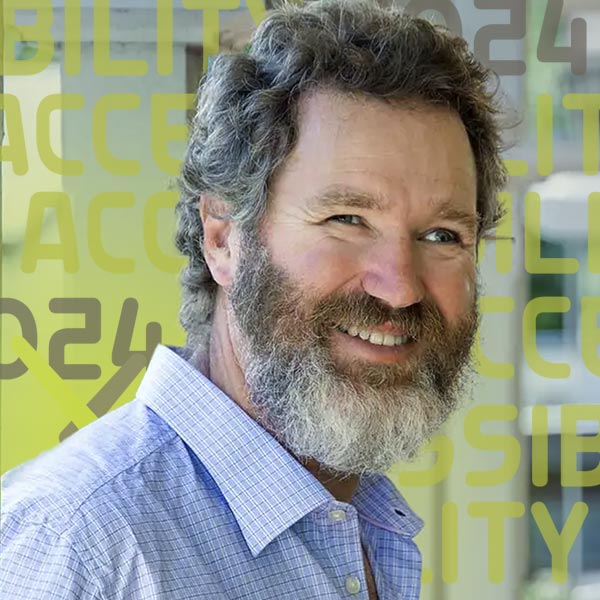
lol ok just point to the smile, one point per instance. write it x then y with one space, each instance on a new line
376 338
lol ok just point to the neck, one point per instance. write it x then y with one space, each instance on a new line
341 488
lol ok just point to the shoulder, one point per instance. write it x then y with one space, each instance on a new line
121 509
52 488
78 518
37 562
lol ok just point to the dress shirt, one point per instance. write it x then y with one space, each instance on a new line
180 495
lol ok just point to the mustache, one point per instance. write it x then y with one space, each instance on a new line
419 320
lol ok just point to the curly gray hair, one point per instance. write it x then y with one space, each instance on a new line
246 121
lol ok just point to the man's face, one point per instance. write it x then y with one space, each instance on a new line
354 306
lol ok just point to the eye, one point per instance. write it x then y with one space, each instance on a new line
346 219
442 236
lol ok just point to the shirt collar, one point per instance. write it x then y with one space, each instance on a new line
266 488
379 501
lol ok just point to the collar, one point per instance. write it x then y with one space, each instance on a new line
379 502
266 488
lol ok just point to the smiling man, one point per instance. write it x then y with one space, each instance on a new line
338 179
349 312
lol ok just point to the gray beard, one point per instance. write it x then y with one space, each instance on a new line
348 424
348 429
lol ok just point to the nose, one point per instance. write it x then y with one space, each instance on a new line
394 276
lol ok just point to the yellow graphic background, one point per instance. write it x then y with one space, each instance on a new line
95 114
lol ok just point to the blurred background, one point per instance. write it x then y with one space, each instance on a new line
97 231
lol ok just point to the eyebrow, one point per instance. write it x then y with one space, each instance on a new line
336 197
449 211
343 197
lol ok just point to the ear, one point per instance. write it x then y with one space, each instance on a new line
220 239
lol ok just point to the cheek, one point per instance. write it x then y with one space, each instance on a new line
319 267
453 289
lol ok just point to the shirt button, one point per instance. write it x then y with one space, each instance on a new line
352 584
337 515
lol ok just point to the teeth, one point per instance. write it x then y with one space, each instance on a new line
379 339
389 340
376 338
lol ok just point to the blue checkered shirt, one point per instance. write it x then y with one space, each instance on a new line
180 495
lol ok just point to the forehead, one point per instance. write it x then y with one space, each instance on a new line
417 153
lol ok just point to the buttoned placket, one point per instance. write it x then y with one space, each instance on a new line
341 522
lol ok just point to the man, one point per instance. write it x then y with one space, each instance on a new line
338 179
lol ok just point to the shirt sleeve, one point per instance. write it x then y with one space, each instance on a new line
38 563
